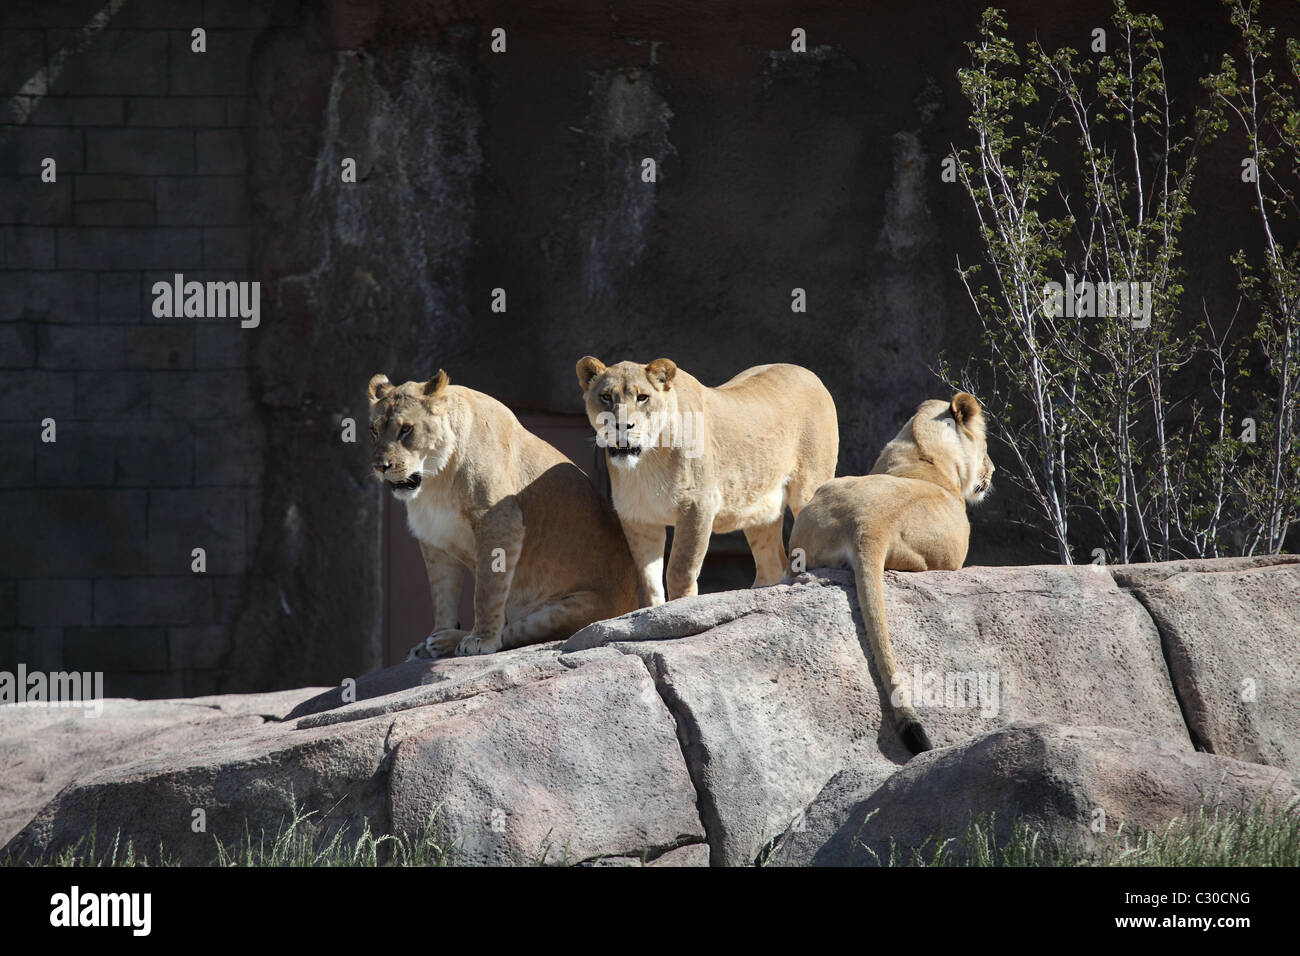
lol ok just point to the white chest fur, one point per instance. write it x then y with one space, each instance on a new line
436 521
646 492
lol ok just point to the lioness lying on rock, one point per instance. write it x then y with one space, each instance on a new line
708 460
909 514
484 493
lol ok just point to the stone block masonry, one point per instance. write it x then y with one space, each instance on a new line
158 444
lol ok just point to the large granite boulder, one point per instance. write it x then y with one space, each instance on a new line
706 729
1232 639
1077 786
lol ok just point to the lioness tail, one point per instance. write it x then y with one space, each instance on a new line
869 572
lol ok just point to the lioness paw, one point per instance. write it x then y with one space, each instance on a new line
477 644
438 644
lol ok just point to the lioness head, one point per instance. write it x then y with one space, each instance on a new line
951 436
411 431
630 406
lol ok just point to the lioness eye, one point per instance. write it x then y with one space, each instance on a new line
605 397
643 398
406 430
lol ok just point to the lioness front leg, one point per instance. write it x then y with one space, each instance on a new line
690 542
499 540
446 575
646 542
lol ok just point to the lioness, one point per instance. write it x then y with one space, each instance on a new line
909 514
483 493
708 459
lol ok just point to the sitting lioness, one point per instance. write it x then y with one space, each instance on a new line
708 459
483 493
909 514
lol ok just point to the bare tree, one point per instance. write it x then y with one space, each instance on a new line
1095 377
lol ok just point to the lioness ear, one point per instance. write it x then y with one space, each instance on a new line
661 372
436 384
588 368
379 387
965 408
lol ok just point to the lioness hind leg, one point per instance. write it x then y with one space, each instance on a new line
769 554
801 488
556 620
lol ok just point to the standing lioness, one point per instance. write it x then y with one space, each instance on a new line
708 459
909 514
484 493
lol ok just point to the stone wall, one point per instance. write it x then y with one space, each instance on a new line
158 448
475 171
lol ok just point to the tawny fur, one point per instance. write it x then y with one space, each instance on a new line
909 514
762 442
487 483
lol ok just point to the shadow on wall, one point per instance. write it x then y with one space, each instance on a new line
502 223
